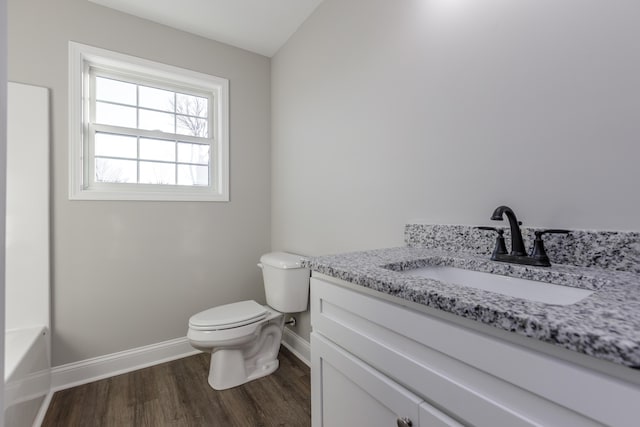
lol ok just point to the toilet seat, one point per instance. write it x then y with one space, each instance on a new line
228 316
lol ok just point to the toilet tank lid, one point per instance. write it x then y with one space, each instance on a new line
282 260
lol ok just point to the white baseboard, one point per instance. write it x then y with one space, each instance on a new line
297 345
97 368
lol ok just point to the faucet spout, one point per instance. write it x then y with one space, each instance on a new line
517 245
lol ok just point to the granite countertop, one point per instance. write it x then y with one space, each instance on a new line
605 325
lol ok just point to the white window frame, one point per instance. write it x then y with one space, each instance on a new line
83 59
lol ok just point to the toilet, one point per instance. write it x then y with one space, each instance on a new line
244 337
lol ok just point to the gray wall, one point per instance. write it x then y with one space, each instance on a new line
385 112
127 274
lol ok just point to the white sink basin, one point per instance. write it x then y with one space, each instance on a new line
512 286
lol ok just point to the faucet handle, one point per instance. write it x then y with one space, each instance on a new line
539 233
500 231
537 251
501 247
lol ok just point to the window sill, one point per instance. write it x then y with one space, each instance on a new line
165 196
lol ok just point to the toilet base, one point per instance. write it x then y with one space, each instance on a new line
228 369
234 366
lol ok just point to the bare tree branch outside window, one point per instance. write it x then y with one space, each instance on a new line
190 111
108 172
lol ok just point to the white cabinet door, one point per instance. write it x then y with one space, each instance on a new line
347 392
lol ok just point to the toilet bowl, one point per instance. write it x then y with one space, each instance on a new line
244 337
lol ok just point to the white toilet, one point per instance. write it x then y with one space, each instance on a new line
244 337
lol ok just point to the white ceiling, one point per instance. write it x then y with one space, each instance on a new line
260 26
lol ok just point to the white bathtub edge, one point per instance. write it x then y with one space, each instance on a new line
19 344
28 373
43 410
97 368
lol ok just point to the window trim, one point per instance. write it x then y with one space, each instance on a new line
81 58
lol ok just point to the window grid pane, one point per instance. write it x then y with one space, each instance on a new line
190 105
115 170
157 173
115 115
155 120
156 99
189 125
157 149
194 175
113 145
116 91
193 153
138 106
130 158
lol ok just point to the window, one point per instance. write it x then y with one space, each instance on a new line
141 130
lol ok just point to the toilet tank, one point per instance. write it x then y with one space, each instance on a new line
286 282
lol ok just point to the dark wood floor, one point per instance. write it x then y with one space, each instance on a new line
177 394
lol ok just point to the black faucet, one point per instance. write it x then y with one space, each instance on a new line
517 245
518 255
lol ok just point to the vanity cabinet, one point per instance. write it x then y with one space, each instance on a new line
378 362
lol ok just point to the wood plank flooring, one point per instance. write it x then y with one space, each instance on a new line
177 394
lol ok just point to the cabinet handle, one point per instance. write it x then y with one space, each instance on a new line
404 422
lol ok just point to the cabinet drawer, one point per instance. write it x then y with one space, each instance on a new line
483 380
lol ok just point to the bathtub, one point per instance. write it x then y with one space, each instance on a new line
27 374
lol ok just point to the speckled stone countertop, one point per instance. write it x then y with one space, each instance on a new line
605 325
